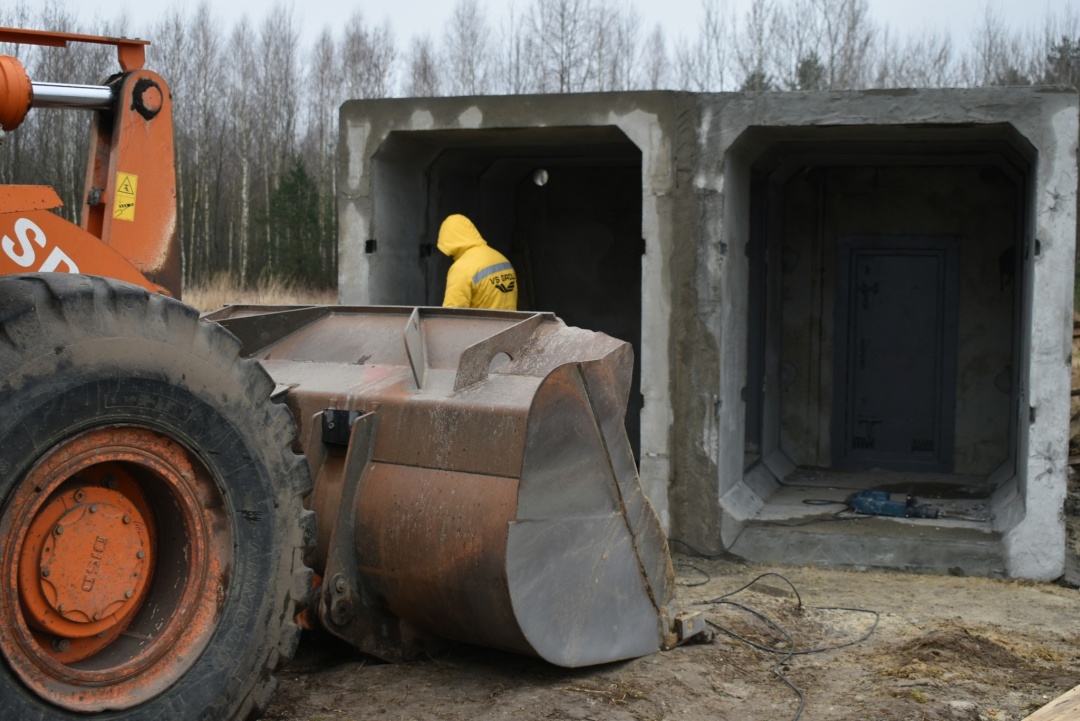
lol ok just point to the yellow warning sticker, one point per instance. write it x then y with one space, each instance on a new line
124 205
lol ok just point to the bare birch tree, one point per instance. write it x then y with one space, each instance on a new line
562 36
240 92
704 64
622 65
755 46
465 50
1061 58
276 99
324 97
924 59
203 134
656 71
796 34
421 69
368 56
846 41
512 74
997 55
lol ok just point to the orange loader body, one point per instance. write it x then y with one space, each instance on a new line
130 204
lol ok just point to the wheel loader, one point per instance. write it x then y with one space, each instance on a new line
179 494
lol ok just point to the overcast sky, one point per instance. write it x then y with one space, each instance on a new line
680 18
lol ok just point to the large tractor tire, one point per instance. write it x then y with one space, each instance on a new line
152 531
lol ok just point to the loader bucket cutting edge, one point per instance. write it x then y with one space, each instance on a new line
473 480
577 550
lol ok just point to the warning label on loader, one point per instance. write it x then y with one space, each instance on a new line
124 205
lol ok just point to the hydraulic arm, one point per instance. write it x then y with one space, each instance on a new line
129 202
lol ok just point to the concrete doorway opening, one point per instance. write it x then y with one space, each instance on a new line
564 204
888 307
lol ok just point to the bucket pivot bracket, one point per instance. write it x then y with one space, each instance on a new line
347 608
341 596
337 426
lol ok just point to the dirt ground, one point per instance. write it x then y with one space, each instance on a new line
923 648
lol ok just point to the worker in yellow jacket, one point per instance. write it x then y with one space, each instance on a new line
481 277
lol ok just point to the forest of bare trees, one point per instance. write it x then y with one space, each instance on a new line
256 109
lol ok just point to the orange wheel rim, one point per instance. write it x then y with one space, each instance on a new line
116 551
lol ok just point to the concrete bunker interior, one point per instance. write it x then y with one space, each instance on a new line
887 306
562 203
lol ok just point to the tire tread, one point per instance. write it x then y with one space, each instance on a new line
38 310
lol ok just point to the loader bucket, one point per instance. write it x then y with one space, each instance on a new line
473 480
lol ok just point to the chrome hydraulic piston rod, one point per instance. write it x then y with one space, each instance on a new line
18 94
62 95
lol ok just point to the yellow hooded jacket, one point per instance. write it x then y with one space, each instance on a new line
481 277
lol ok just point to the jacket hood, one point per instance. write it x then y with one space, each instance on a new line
457 235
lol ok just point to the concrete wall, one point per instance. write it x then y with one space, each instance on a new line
735 365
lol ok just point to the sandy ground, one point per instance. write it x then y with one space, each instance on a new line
923 648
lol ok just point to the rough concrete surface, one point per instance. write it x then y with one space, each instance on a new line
754 220
943 648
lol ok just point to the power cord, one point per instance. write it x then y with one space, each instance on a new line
702 571
791 651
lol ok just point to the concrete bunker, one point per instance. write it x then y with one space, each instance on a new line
887 283
826 292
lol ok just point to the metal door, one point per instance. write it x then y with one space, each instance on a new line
896 353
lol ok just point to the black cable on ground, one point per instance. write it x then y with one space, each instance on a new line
837 516
702 571
792 650
817 486
775 668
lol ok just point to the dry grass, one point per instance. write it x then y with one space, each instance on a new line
223 290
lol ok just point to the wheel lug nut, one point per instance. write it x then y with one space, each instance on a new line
59 530
61 608
45 572
97 616
140 554
127 519
109 481
128 594
80 496
93 508
60 644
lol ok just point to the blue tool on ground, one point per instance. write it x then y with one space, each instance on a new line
880 503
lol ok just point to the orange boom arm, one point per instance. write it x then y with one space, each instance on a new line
128 228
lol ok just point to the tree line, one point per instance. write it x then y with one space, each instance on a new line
256 109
